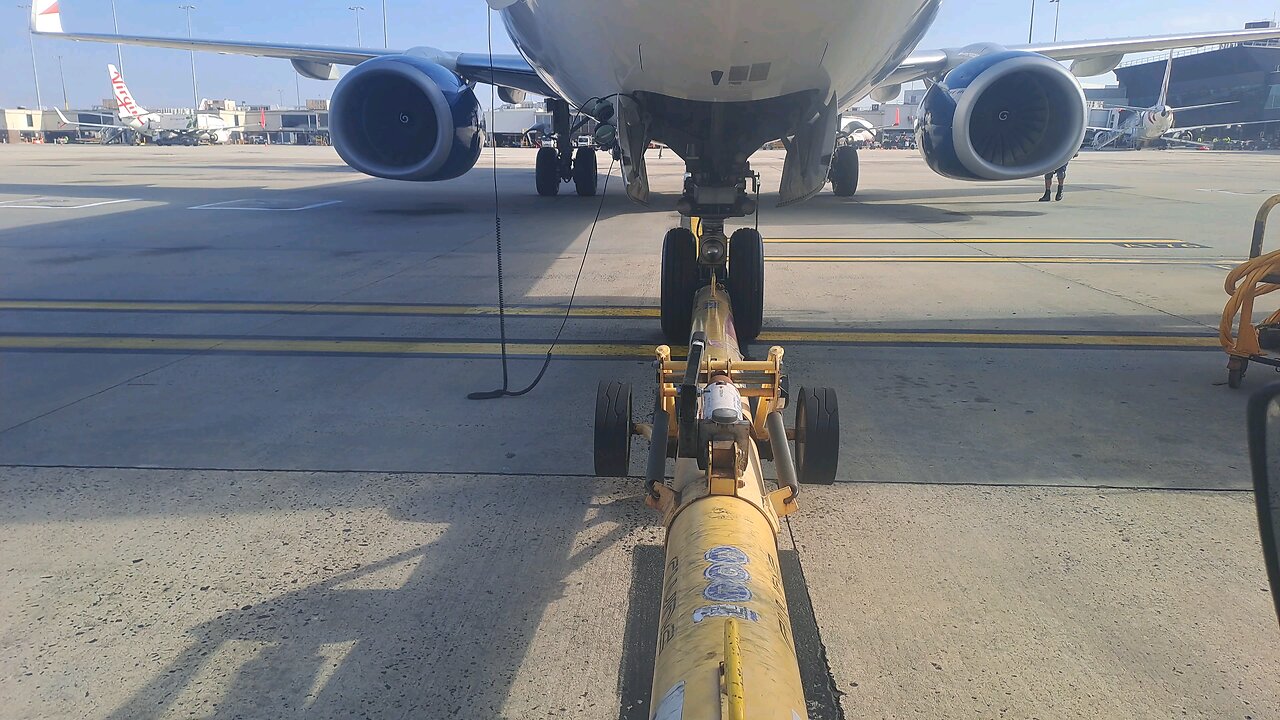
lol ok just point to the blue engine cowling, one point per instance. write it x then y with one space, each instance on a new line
1004 115
406 118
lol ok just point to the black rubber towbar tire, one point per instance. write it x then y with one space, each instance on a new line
613 428
817 436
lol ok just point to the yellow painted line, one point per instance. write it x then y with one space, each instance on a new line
305 346
987 259
968 241
324 308
981 338
410 348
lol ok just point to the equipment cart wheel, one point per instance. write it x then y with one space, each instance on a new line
746 282
817 436
1236 368
844 172
547 172
680 282
613 428
584 171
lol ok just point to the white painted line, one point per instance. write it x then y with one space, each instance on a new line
5 204
223 206
1236 192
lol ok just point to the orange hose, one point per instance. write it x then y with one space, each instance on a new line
1244 284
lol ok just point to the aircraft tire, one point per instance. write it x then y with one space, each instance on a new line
547 172
844 172
613 429
746 282
817 436
680 282
585 177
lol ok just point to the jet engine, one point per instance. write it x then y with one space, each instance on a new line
406 118
1002 116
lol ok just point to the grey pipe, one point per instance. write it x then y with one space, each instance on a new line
782 462
656 471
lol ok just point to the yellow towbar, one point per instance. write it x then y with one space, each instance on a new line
724 644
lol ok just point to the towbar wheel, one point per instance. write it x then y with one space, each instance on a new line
613 428
817 436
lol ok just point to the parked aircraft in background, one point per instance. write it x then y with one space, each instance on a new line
159 128
1146 126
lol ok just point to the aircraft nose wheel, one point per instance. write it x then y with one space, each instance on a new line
844 172
746 282
680 282
613 429
817 436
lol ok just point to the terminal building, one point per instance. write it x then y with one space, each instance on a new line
259 124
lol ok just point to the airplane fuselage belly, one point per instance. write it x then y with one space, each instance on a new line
716 50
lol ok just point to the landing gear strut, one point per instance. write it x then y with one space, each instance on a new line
559 164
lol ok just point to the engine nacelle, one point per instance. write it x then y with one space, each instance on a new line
1004 115
406 118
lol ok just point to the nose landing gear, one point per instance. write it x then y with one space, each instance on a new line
691 261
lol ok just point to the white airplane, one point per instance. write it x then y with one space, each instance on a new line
1150 124
159 128
714 80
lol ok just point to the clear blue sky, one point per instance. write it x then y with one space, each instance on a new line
161 78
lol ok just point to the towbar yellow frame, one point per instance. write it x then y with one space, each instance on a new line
724 646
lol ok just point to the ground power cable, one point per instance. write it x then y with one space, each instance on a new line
505 390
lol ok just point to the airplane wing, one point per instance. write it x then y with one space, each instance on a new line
1205 105
1187 143
316 61
1221 125
1089 57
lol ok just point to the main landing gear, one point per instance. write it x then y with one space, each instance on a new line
690 262
844 171
560 164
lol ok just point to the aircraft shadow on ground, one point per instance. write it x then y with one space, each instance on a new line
448 642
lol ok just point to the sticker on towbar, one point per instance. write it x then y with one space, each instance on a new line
726 554
725 571
671 706
725 611
727 591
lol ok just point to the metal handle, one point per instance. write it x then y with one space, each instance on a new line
1260 224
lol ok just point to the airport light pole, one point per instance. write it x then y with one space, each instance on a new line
1031 28
384 25
195 90
116 25
35 73
1057 10
356 9
63 76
